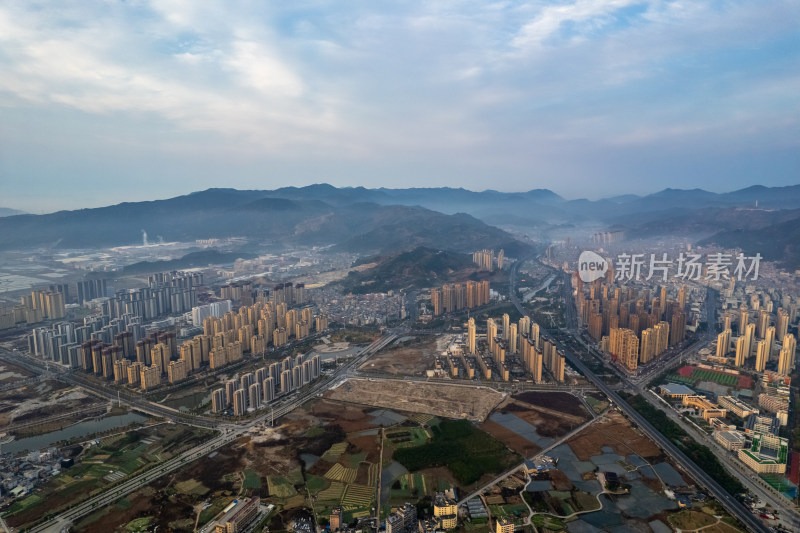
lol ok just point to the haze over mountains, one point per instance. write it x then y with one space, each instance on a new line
381 220
7 212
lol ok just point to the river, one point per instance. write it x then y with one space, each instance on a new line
80 429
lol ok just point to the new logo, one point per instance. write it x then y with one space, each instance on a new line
591 266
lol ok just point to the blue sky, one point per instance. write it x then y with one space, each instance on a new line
102 102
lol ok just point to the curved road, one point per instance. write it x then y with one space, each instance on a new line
733 506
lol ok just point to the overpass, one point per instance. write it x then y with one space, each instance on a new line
230 432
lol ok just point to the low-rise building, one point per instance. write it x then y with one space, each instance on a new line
707 409
730 440
675 391
766 454
764 424
736 406
238 515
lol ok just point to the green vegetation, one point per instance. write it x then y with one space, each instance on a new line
598 406
549 522
123 504
314 432
31 501
466 451
418 268
251 480
689 520
116 457
211 511
279 486
698 453
698 375
139 524
355 335
316 483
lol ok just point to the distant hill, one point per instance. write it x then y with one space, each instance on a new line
7 212
421 267
259 215
366 220
699 223
777 242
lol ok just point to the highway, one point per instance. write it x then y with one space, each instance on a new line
733 506
230 433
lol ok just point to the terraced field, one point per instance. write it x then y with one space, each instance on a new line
340 473
335 451
358 496
333 493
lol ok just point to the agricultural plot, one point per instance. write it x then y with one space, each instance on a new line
280 487
341 473
191 487
421 418
357 497
407 437
335 451
251 480
113 459
333 493
315 484
374 470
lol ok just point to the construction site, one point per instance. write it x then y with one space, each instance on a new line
446 400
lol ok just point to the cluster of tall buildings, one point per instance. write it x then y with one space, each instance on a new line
215 309
118 348
633 325
61 342
457 296
167 293
50 303
608 237
36 307
255 390
247 293
486 259
508 343
762 338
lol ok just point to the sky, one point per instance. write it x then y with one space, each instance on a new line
103 102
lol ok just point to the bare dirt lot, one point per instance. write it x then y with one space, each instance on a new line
451 401
614 431
516 442
409 358
561 402
9 372
350 417
549 421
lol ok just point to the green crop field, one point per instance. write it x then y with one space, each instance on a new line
251 480
465 450
280 487
316 483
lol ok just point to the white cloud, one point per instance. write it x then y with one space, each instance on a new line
433 81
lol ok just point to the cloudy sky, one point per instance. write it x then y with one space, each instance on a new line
102 102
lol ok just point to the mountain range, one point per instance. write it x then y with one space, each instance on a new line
7 212
362 227
363 220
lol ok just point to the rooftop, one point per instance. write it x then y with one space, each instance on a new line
676 389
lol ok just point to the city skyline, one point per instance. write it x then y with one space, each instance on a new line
104 103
